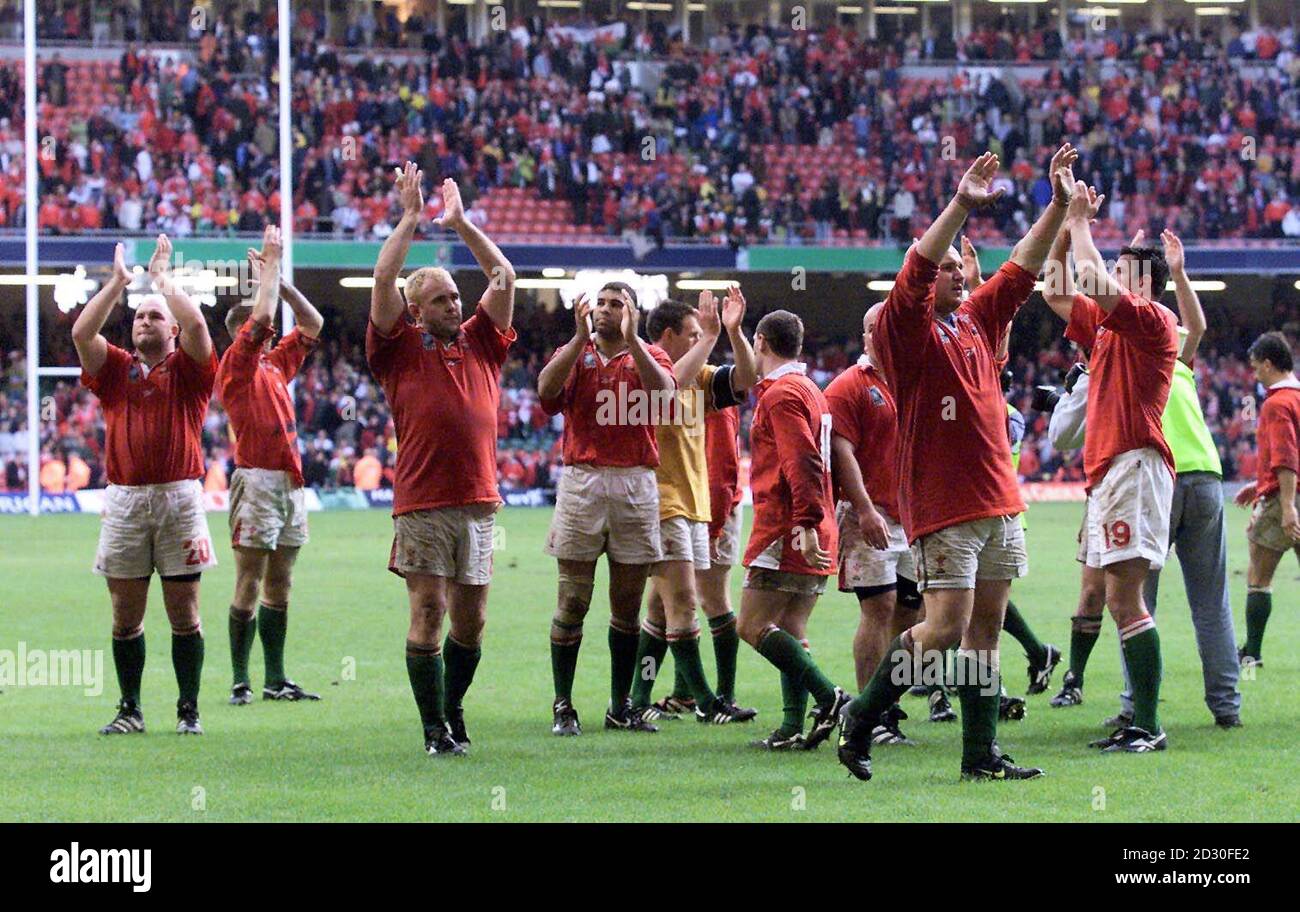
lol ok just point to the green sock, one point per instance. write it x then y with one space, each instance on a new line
794 701
1259 605
424 666
1084 632
622 663
187 660
979 708
459 665
686 656
1142 656
564 659
726 645
273 623
787 654
242 633
1014 623
681 688
651 647
128 659
882 690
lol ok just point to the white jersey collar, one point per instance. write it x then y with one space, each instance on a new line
790 367
1286 383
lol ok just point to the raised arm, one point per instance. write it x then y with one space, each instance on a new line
1096 282
972 193
92 348
689 365
264 304
653 375
498 302
386 303
305 314
1189 305
551 380
733 318
1033 248
194 338
1058 279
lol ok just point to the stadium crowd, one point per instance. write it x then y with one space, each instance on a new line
346 436
761 134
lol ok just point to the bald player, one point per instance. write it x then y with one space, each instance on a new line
154 400
268 513
441 376
959 495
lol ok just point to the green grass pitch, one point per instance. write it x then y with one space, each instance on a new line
357 754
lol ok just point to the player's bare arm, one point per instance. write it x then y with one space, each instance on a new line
551 380
970 264
194 338
92 348
1100 286
849 476
972 193
745 374
1189 304
1246 494
1030 252
689 365
268 277
1058 278
1286 497
386 303
498 302
305 315
653 376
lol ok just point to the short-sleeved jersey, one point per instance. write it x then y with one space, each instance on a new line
721 433
444 399
609 416
683 470
1133 348
952 419
1278 435
154 418
790 469
253 386
864 414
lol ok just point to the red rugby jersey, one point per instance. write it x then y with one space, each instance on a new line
790 469
154 418
253 387
1131 366
952 419
609 416
722 453
1278 435
444 399
863 413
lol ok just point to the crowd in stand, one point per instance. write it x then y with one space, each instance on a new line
346 435
1170 128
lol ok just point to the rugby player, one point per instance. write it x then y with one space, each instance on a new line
268 514
1274 527
154 401
959 496
1133 341
609 385
792 545
441 375
688 335
875 563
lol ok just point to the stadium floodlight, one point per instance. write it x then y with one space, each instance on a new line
704 284
462 2
538 284
638 6
1194 2
1103 12
1208 285
880 285
696 7
849 10
554 272
651 289
895 11
1213 11
1297 286
560 4
365 282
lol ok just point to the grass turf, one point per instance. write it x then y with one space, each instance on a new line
357 754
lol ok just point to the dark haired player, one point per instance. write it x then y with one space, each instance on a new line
607 382
1274 525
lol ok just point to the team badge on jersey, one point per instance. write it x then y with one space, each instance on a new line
876 397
